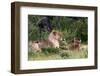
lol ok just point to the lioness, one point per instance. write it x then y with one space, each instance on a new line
75 44
52 41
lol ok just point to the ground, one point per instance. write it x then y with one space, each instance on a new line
61 53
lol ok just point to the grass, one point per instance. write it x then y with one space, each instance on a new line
57 53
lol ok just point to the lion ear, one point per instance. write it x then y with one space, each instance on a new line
54 33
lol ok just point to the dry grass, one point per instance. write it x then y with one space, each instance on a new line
55 54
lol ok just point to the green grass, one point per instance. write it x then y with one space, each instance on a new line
57 53
69 27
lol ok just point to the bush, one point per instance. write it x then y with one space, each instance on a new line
65 55
51 50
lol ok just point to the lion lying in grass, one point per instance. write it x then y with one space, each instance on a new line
74 44
52 41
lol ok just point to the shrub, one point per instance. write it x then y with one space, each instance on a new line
50 50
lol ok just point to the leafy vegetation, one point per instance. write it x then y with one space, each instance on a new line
70 27
53 54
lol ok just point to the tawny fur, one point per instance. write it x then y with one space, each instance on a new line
52 41
75 44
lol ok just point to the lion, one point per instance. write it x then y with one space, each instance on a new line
53 41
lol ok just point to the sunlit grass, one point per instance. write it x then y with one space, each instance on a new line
55 54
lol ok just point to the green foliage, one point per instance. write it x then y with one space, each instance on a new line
69 26
51 50
64 55
56 53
